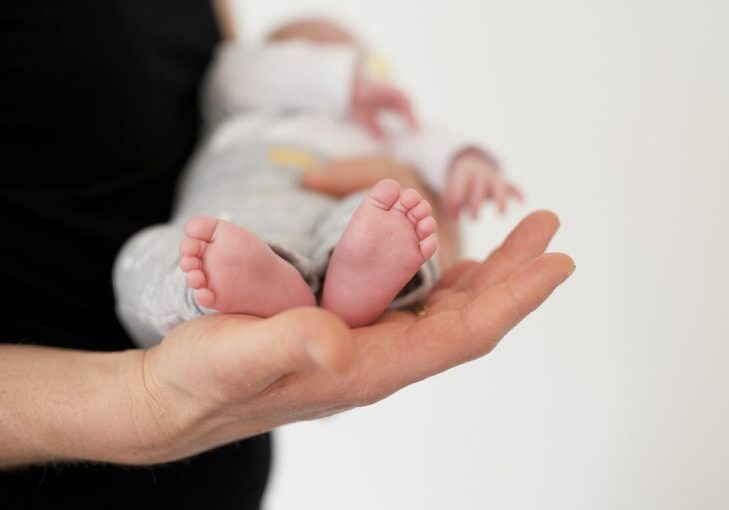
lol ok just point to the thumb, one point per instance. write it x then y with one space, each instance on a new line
300 339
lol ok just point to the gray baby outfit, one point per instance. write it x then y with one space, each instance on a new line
270 112
240 184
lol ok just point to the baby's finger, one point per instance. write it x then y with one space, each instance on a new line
477 193
399 103
515 192
451 202
500 195
488 192
371 125
406 110
455 194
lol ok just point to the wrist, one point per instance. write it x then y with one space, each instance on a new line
164 421
119 419
473 153
111 410
65 405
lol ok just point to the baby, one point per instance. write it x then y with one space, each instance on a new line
251 239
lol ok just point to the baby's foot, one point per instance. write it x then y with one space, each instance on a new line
389 237
234 271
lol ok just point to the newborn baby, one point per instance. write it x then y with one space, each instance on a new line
251 239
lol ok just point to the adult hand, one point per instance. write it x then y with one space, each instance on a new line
221 378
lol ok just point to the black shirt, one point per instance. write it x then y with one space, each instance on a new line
98 113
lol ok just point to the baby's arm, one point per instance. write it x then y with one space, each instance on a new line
463 174
280 77
298 76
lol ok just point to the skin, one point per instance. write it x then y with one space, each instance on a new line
369 98
225 377
389 237
474 176
220 378
343 177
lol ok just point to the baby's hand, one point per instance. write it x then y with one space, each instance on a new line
474 178
370 98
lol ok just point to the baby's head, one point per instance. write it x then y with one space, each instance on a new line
315 30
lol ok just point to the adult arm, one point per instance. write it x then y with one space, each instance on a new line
64 404
221 378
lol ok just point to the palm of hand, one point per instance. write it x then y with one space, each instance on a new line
241 375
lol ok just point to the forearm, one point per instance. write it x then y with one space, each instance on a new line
58 404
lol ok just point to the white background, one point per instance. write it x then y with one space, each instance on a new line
613 395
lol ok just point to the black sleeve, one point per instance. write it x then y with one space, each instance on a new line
98 113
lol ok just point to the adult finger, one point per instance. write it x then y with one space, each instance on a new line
254 354
475 328
498 309
527 240
515 192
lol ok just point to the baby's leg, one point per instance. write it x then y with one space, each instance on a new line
150 290
234 271
389 237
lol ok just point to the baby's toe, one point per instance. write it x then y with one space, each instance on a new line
201 227
409 199
425 227
192 247
420 211
428 246
205 298
196 279
385 193
189 263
